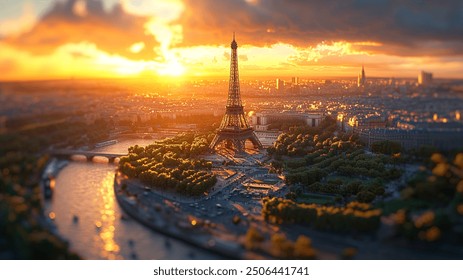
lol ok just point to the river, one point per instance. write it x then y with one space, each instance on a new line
87 214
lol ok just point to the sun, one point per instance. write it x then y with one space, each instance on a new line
172 68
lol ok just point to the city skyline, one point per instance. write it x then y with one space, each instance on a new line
42 40
121 169
236 129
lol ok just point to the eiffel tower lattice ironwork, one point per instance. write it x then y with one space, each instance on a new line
234 129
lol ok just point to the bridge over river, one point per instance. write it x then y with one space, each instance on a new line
89 155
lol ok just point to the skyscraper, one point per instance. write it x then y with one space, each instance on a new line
295 81
234 129
361 78
424 78
280 85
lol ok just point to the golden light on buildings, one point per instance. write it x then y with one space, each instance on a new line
193 222
353 121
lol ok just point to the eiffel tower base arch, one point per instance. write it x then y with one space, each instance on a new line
235 140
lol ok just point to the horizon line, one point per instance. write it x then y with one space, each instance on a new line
183 78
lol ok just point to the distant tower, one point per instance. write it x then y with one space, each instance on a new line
361 78
424 78
280 85
295 81
234 129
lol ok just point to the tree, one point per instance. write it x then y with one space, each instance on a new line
386 147
169 164
365 196
253 239
303 248
281 247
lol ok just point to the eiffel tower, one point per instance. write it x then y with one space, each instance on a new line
234 129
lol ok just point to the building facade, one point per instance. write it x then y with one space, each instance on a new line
443 139
262 120
424 78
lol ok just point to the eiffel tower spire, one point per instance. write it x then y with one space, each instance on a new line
234 129
234 97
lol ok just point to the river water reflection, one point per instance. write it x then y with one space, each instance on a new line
87 214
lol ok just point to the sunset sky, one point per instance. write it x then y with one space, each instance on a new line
46 39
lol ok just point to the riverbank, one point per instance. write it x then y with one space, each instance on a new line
89 216
162 216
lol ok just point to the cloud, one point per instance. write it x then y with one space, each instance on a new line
11 26
165 10
163 36
403 27
76 21
8 65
